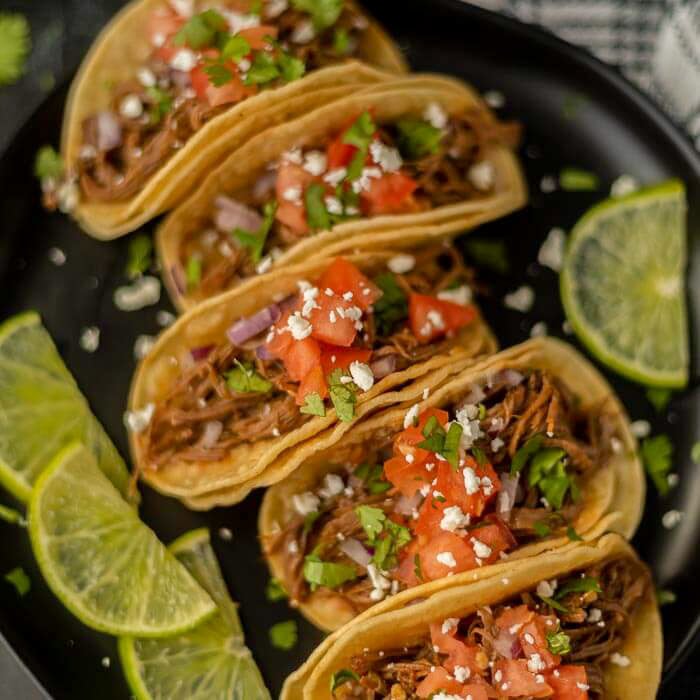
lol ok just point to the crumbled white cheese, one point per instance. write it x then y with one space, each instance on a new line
238 21
640 428
401 264
184 60
165 318
90 339
380 584
545 589
386 157
671 518
305 503
616 445
68 195
363 183
333 205
521 299
143 346
436 320
57 256
275 8
411 417
447 559
361 374
303 33
482 550
264 265
468 418
315 162
137 421
435 115
538 330
595 615
293 155
298 326
482 175
623 185
333 485
336 176
620 660
548 184
471 481
494 99
449 624
461 295
551 253
535 664
143 292
292 194
454 519
146 77
462 673
496 444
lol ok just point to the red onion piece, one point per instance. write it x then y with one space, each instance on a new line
109 131
231 215
180 78
201 353
506 496
178 278
212 432
405 505
249 327
355 550
264 186
263 353
476 395
384 366
507 644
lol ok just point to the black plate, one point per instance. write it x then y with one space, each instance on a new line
575 112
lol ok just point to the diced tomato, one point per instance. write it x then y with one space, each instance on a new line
313 383
328 324
334 357
407 478
518 615
232 91
447 543
339 154
293 216
291 176
432 318
200 82
389 194
565 682
162 24
517 680
257 36
442 417
494 533
301 357
342 276
281 339
480 691
406 571
533 640
438 679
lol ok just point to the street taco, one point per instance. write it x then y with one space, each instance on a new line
247 380
579 623
509 457
169 88
417 158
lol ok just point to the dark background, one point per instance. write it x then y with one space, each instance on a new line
61 33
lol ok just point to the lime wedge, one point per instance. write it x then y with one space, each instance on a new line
623 287
210 662
42 409
102 562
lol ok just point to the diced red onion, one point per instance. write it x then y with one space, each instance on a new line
476 395
507 644
201 353
384 366
212 432
263 353
512 377
405 505
249 327
506 496
264 186
180 78
109 131
178 278
355 550
231 215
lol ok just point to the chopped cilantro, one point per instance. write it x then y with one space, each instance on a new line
343 396
15 43
309 520
659 398
479 455
235 48
665 597
656 455
372 521
450 451
559 643
256 8
548 473
417 138
523 455
201 30
341 41
573 535
341 677
577 180
386 549
325 573
372 474
290 68
695 453
584 584
245 380
359 135
284 635
19 579
488 253
482 411
162 103
274 591
193 272
12 516
542 529
316 212
324 13
417 568
255 242
218 74
140 256
313 405
48 164
392 307
434 435
263 70
553 604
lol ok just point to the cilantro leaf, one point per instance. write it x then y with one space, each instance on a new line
573 535
255 242
360 135
245 380
19 579
450 450
659 398
372 474
201 30
488 253
290 67
522 456
343 396
392 307
48 164
140 256
15 43
553 604
559 643
341 677
417 138
193 272
434 435
665 597
263 70
235 48
372 521
386 549
542 529
12 516
325 573
341 41
324 13
548 473
316 212
274 591
162 103
584 584
313 405
578 180
218 74
656 455
479 455
284 635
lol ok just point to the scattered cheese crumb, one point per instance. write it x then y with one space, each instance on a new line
623 185
436 115
305 503
620 660
671 518
551 253
482 175
143 292
143 346
137 421
411 416
57 256
90 339
447 559
361 374
538 330
521 299
401 264
640 428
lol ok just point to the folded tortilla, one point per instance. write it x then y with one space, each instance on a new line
612 496
115 56
375 631
266 461
387 102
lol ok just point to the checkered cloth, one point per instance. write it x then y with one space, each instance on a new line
656 43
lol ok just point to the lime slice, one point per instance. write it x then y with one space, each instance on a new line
102 562
42 409
623 288
209 663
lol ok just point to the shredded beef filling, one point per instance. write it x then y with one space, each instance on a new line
396 673
538 405
443 179
149 141
183 419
